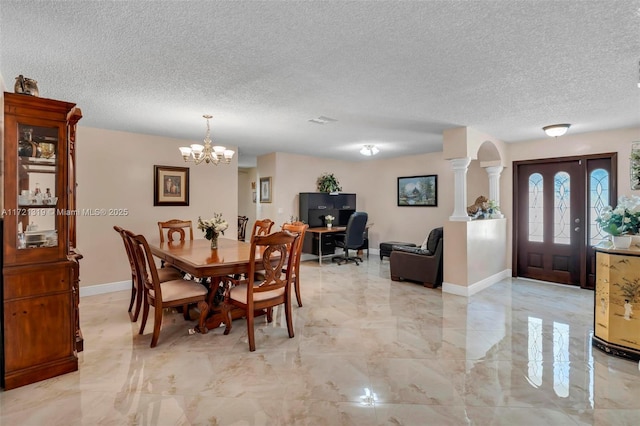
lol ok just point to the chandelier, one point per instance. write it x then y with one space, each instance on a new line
207 153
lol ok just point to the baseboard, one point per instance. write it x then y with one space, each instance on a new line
93 290
476 287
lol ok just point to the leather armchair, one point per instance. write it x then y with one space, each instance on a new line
418 264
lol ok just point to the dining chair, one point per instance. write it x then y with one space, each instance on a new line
256 295
168 294
175 226
242 227
167 274
300 228
262 227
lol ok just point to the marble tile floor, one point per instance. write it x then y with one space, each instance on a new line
367 351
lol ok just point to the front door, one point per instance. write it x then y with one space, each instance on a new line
556 202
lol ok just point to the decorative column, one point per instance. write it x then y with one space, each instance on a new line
460 166
494 184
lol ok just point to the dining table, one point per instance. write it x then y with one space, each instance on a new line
197 258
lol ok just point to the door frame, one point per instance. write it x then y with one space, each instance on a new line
613 196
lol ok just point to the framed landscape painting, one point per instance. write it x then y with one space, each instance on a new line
170 186
418 191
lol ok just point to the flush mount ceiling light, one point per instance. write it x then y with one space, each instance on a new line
556 130
369 150
207 153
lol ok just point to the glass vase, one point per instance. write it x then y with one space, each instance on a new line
214 242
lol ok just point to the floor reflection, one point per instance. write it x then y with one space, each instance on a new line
366 351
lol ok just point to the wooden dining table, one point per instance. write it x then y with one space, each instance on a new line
197 258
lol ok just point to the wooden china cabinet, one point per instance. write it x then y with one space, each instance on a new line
40 271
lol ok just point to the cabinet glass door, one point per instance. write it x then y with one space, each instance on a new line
37 190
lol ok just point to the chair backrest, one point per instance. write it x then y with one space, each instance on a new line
435 236
354 234
175 226
262 227
147 273
299 228
127 248
277 261
242 227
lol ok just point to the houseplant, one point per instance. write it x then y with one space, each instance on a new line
623 220
328 219
327 182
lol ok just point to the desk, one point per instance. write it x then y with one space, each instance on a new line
198 259
325 230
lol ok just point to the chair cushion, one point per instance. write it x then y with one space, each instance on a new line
239 293
414 250
180 289
168 274
423 246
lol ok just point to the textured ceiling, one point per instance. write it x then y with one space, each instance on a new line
395 74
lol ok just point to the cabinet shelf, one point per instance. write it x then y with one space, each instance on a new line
37 206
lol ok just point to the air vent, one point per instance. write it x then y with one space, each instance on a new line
322 120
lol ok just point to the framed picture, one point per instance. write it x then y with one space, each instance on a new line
170 186
265 190
635 165
418 191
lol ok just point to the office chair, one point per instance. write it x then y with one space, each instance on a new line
353 237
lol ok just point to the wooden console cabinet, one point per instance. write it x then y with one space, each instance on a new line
617 302
40 271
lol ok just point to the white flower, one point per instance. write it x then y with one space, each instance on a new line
215 225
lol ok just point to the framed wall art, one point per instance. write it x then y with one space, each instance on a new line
265 189
634 165
170 186
418 191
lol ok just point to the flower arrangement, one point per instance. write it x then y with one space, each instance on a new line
492 207
328 219
213 228
624 219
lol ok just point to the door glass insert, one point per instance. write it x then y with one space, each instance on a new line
536 204
598 199
37 195
562 208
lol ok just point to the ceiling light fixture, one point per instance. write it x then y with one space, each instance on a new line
556 130
207 153
369 150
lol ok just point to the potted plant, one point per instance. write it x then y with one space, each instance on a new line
327 182
328 219
622 221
